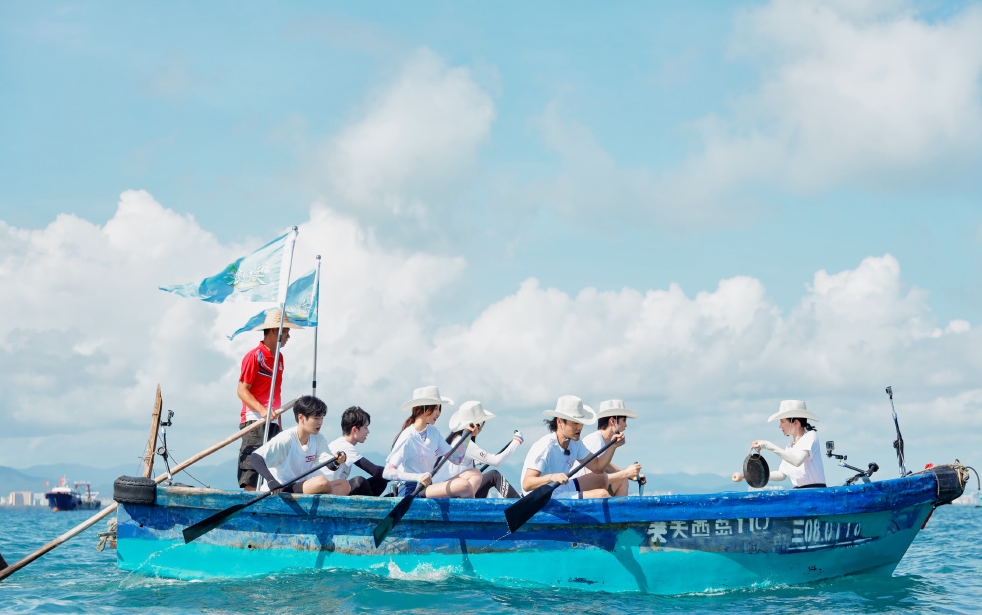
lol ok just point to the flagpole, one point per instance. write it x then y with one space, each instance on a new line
317 286
284 284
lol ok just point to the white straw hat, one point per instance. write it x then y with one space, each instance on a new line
571 408
469 412
273 321
426 396
792 409
615 407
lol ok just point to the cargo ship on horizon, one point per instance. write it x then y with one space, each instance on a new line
64 497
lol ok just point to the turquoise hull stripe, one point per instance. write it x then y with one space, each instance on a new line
624 570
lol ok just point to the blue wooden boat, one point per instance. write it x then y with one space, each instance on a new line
656 544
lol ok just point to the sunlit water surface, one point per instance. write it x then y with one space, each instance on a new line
941 573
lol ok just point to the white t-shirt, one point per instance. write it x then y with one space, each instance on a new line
548 457
351 457
593 442
416 451
287 459
473 456
811 471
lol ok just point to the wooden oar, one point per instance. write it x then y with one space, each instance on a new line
385 525
522 510
485 466
78 529
201 528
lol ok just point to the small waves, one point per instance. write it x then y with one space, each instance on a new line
941 573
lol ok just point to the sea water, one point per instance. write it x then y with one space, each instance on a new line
941 573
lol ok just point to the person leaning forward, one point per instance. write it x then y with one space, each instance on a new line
556 453
253 390
612 419
298 450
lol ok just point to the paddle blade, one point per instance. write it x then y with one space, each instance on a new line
201 528
385 525
3 562
521 511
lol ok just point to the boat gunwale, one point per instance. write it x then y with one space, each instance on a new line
877 496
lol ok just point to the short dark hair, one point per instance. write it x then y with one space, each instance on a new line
603 421
309 406
552 424
354 417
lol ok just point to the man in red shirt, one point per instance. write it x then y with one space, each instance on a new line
254 381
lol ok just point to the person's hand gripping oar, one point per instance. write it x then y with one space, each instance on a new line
641 480
521 511
385 525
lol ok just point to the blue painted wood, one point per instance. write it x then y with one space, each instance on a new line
656 544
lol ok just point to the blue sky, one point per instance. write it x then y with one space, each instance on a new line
625 149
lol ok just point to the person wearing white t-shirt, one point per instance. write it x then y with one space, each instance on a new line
354 427
612 419
473 413
297 450
419 446
553 456
801 459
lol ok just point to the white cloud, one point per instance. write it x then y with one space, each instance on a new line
419 134
850 329
91 337
867 95
862 94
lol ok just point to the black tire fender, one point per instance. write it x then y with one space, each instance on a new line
135 490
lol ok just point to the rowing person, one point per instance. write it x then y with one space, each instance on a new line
556 453
418 447
354 430
298 449
612 419
801 459
473 413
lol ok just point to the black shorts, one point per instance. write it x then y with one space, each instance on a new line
248 445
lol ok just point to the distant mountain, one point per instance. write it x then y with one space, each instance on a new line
17 480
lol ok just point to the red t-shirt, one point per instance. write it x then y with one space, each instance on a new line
257 369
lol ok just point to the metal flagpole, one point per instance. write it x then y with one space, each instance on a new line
313 299
284 284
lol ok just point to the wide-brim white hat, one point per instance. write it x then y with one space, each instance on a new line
273 321
615 407
427 396
792 409
468 413
571 408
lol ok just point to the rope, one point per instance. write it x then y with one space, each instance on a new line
189 475
978 483
109 534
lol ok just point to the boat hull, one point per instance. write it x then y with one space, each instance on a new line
660 544
70 501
